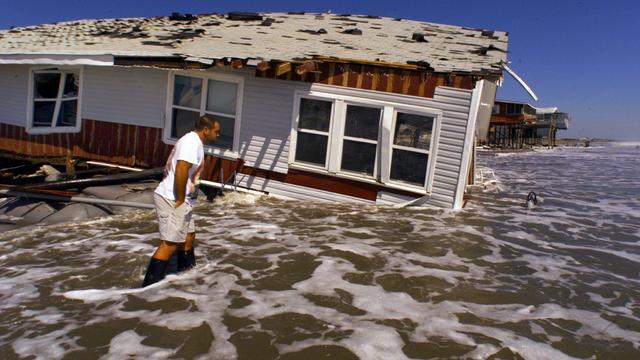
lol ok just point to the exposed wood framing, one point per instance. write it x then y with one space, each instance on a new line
237 63
307 66
283 68
263 66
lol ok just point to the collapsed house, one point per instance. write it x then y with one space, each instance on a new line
312 106
517 124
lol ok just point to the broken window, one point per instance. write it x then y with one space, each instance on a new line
194 96
54 101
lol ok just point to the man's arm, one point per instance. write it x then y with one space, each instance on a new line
180 181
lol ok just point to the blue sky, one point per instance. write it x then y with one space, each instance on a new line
582 56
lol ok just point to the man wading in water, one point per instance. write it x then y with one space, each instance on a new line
177 229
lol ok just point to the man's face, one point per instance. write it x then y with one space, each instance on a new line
211 134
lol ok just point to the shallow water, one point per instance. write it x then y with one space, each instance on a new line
295 280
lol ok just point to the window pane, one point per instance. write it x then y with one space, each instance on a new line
46 86
68 113
187 91
221 97
311 148
71 85
409 166
413 131
43 113
358 156
315 114
362 122
225 136
183 121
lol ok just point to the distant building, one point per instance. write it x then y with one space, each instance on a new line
516 124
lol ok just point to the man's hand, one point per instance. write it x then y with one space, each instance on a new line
180 181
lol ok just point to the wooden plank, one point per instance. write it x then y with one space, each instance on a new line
283 68
263 66
237 63
306 67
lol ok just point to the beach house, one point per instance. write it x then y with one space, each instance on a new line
315 106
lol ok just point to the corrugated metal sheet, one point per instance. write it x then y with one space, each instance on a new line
135 96
14 82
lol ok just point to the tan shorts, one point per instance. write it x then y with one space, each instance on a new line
174 224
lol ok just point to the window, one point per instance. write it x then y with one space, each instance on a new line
313 131
495 109
217 95
360 139
514 109
374 139
410 153
54 101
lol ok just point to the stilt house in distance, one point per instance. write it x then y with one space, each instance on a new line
514 124
312 106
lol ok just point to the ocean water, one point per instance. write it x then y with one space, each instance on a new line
295 280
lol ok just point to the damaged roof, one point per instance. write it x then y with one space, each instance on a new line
269 36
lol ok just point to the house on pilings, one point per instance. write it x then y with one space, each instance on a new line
312 106
515 125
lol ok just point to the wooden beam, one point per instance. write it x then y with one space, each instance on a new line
220 62
283 68
237 63
307 66
263 66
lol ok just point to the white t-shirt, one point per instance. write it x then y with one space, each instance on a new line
188 148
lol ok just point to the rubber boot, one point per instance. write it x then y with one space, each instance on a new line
172 265
155 272
186 259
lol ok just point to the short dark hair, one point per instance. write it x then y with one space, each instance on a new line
206 121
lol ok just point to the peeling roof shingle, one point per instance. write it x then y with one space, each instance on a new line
269 36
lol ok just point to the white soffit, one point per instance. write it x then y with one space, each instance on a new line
55 59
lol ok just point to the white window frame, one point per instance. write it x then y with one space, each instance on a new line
343 137
390 104
309 131
53 129
232 153
431 152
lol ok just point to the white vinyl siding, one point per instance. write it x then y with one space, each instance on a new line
14 87
266 122
135 96
455 104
